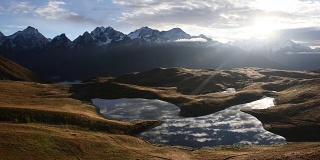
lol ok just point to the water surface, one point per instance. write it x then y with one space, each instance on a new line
227 127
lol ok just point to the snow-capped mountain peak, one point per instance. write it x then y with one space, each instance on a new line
144 32
29 38
104 36
175 34
29 32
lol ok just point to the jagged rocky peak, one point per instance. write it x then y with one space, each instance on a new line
103 35
86 36
61 37
144 32
61 41
83 41
31 30
102 30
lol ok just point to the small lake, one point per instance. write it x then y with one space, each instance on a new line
227 127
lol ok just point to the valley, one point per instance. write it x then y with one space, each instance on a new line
159 80
46 120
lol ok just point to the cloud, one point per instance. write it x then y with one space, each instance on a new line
82 19
225 20
192 40
15 26
2 10
54 11
309 36
20 7
210 13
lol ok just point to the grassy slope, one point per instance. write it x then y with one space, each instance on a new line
50 103
10 70
296 115
43 141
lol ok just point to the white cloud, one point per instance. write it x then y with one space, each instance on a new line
15 26
192 40
2 10
53 11
223 20
20 7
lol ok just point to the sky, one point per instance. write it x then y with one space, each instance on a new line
222 20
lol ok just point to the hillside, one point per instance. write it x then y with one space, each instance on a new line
10 70
199 92
58 121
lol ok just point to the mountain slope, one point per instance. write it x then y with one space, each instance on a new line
10 70
28 39
1 35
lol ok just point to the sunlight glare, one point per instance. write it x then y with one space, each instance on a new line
264 27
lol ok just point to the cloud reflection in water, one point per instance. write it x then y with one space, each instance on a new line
227 127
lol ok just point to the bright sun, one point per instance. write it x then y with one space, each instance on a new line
263 27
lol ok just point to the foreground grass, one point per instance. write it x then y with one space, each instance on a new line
43 141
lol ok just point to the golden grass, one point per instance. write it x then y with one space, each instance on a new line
43 141
50 103
10 70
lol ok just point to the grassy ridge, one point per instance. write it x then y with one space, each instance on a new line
25 115
296 115
10 70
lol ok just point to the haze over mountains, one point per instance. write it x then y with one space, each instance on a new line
106 51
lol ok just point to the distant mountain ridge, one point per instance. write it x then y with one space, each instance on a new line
270 45
31 39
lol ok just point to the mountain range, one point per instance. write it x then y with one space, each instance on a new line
30 39
106 51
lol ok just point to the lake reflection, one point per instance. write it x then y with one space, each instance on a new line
227 127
